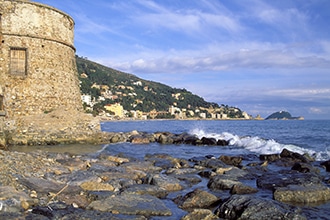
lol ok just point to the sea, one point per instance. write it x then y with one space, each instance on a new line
245 137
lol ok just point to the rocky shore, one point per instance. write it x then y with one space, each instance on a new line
43 185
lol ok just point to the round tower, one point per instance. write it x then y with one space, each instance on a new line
38 71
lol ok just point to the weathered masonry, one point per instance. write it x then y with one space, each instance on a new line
38 72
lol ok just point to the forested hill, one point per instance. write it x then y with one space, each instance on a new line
109 86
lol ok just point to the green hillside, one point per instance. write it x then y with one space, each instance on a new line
134 93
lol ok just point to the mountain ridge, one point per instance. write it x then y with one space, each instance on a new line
108 86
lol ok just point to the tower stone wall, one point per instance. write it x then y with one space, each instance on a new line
40 100
38 71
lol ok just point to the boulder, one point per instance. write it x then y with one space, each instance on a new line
248 207
191 139
242 189
212 163
302 194
12 200
142 139
146 189
270 157
326 164
197 214
167 182
296 157
208 141
131 204
221 142
219 183
196 199
47 186
231 160
305 168
285 178
165 139
96 186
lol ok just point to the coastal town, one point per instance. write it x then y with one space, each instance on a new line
116 111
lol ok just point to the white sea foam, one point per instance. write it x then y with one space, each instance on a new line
259 145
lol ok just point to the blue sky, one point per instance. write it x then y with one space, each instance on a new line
261 56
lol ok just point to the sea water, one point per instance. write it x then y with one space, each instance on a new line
244 136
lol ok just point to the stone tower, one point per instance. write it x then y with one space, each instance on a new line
38 72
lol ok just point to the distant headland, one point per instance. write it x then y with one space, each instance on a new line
283 115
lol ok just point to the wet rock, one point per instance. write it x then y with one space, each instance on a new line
165 139
63 211
192 139
208 141
221 142
285 178
96 186
212 163
12 200
294 156
305 168
73 164
189 179
146 189
181 171
270 157
247 207
302 194
207 173
196 199
167 182
236 174
326 164
144 166
45 186
164 161
197 214
131 204
230 160
79 200
139 139
79 177
219 183
242 189
118 160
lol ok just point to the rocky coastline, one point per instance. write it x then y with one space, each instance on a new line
44 185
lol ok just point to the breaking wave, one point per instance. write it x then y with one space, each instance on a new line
260 145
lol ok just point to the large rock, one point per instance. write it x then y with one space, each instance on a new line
197 214
230 160
302 194
167 182
208 141
47 186
248 207
196 199
12 200
326 164
146 189
242 189
132 205
219 183
285 178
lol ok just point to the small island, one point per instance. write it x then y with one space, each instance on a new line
283 115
